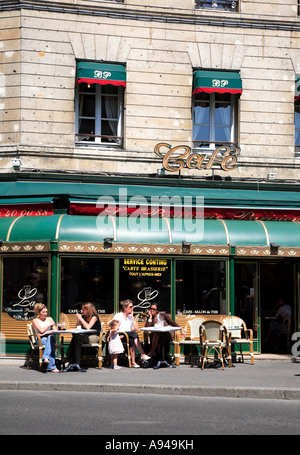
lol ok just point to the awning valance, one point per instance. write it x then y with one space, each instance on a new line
297 89
93 230
100 73
217 81
26 206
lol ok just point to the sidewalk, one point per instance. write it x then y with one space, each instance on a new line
275 377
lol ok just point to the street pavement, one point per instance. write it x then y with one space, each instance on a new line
269 378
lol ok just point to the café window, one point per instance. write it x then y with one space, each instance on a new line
99 104
200 287
146 280
25 282
215 109
85 279
227 5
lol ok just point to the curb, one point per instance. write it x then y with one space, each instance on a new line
220 392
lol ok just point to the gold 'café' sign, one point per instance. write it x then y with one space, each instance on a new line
176 158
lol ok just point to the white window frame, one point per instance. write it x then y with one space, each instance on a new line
212 132
99 139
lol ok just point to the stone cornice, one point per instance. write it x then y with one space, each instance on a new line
130 12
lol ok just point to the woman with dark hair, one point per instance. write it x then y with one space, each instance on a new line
159 319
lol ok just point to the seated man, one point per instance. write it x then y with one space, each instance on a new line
156 319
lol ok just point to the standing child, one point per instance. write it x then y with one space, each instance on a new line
115 345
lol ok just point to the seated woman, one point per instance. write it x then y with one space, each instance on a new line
156 319
129 325
88 320
43 326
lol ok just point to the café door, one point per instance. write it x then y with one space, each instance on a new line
246 297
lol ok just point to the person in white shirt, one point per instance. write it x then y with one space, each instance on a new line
130 326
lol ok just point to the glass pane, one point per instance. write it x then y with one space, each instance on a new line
25 282
83 280
201 114
201 133
222 114
86 126
109 89
109 107
87 88
297 137
201 287
201 118
223 98
145 281
222 134
87 106
109 128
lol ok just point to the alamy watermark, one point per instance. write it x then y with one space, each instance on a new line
296 346
176 214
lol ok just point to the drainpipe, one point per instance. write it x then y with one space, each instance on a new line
231 281
54 282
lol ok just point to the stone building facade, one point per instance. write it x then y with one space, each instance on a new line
122 100
161 45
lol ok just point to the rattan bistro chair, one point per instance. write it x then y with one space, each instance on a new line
38 347
192 338
98 346
213 339
239 337
98 349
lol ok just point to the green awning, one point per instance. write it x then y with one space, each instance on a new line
218 196
297 89
72 228
217 81
100 73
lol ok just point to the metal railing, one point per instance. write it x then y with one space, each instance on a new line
85 139
227 5
206 144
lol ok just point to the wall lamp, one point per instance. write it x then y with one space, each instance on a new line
108 242
186 246
274 248
16 163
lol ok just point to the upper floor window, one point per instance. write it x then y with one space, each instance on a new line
228 5
215 109
297 117
99 103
